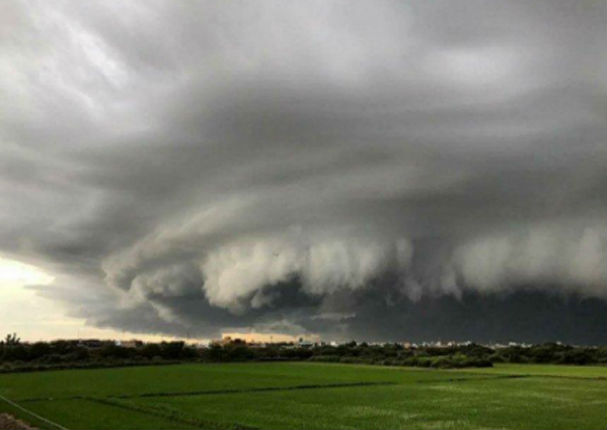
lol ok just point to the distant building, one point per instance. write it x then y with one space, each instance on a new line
227 340
133 343
202 345
305 343
256 344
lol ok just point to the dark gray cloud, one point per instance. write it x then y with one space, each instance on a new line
287 166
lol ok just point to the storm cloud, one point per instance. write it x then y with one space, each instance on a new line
372 169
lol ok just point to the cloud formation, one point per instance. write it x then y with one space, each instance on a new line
305 166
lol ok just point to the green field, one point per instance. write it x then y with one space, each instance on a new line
313 396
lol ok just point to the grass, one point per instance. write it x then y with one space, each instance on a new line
315 396
86 414
545 370
128 381
512 403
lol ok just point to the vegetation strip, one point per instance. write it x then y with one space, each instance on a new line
211 392
512 376
17 356
479 378
33 414
254 390
530 375
586 378
169 415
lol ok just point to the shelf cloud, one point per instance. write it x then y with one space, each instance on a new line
375 169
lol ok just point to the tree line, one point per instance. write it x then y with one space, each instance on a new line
23 356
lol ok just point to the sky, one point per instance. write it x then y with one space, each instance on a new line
376 170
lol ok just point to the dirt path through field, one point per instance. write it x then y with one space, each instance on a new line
9 422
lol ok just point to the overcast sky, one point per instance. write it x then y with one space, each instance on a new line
368 169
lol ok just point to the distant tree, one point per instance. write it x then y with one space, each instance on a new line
12 339
39 349
172 350
115 351
151 350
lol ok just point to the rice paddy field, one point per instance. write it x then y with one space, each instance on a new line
309 396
